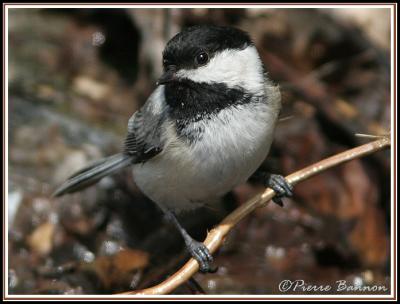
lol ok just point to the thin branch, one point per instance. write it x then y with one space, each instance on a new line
217 235
371 136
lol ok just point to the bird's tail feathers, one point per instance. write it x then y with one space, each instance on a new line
93 173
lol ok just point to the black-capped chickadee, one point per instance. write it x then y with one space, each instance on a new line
205 129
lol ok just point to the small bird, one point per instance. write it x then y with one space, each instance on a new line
205 129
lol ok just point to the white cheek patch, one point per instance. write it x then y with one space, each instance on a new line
233 67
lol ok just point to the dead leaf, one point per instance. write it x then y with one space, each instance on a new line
116 269
41 239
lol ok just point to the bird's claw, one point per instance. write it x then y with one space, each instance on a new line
202 255
281 187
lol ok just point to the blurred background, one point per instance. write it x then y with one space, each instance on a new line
77 75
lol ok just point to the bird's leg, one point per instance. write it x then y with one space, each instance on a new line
196 249
277 183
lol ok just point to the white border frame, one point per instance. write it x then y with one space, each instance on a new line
332 297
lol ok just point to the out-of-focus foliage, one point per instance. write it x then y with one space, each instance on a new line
76 76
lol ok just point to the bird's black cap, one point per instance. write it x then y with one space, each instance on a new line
184 46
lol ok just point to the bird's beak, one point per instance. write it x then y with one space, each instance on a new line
168 76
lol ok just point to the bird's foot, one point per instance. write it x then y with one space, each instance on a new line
281 187
202 255
196 249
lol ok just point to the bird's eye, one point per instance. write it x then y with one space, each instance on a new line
202 58
165 62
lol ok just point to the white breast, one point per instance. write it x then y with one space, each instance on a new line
231 148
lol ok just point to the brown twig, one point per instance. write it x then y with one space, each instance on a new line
217 235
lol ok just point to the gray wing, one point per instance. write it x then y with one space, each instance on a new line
144 141
144 138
